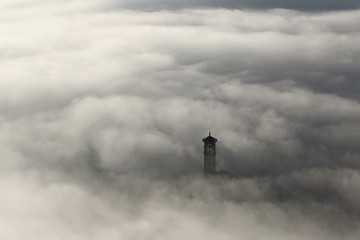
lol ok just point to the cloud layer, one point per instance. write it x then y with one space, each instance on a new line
103 115
307 5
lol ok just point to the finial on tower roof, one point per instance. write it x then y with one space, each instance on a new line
209 131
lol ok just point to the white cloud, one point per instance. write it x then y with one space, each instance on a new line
103 115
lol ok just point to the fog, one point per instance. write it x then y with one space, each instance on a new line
104 105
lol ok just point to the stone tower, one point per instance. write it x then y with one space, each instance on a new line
209 154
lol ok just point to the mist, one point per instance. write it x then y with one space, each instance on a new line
104 105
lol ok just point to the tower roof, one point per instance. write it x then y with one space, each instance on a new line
209 138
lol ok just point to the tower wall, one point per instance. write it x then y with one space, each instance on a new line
209 163
209 155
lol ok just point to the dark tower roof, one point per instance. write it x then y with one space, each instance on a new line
209 139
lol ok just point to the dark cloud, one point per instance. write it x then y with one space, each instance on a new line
308 5
103 115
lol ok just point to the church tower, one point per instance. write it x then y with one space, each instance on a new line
209 155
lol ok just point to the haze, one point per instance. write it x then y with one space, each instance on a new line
104 105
